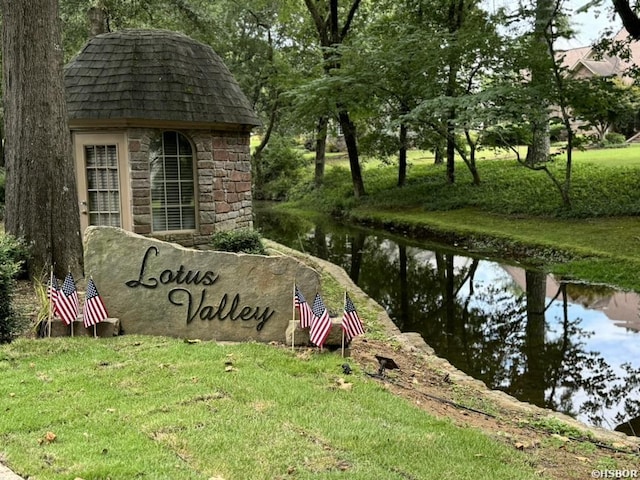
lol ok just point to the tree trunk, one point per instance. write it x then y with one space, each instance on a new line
451 148
321 150
437 153
402 156
41 196
331 36
541 69
538 151
628 16
349 132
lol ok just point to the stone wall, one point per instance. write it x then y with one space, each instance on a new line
223 189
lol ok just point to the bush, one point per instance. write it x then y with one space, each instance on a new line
613 138
242 240
12 255
505 136
277 170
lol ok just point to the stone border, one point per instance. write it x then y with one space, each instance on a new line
6 474
414 343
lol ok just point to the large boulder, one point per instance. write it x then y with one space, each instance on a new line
160 288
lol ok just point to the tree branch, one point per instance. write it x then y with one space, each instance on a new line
352 14
321 25
629 18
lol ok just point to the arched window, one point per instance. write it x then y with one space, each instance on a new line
172 183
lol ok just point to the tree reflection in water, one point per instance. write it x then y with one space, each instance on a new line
490 328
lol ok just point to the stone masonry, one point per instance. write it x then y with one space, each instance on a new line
223 183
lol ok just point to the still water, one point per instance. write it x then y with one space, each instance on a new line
570 347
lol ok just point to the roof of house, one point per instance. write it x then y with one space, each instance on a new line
605 65
153 75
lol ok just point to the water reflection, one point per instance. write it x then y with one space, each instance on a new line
516 330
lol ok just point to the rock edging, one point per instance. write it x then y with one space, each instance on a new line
414 343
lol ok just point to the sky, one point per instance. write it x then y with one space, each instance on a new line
588 25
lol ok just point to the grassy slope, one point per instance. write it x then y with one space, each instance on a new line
514 209
160 408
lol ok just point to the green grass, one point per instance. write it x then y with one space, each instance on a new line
513 212
146 407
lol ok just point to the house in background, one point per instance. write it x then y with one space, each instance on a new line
160 132
584 62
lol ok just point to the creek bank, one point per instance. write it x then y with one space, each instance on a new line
492 247
414 348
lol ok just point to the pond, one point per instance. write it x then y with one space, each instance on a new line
570 347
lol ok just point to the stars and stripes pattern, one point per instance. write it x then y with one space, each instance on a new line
321 323
66 303
53 290
94 309
351 323
304 310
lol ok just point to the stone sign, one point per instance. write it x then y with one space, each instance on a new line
160 288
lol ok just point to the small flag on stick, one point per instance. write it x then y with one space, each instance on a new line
306 314
67 300
94 310
53 290
321 323
351 323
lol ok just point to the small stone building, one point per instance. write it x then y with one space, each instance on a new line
160 132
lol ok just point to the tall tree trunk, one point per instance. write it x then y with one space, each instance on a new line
451 148
455 21
538 151
41 195
541 71
331 36
321 150
402 156
349 132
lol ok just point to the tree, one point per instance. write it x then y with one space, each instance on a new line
41 196
629 16
331 35
540 68
391 64
602 102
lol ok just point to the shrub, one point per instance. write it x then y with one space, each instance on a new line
277 170
613 138
504 136
242 240
12 255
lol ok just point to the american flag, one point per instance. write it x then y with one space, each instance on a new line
351 323
306 314
94 311
321 323
67 300
53 290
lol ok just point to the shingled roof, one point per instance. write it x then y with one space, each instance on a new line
153 75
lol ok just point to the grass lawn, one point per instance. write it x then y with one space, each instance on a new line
513 209
158 408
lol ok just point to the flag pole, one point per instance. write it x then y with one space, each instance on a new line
344 303
73 320
50 312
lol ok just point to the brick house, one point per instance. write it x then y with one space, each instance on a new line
160 132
